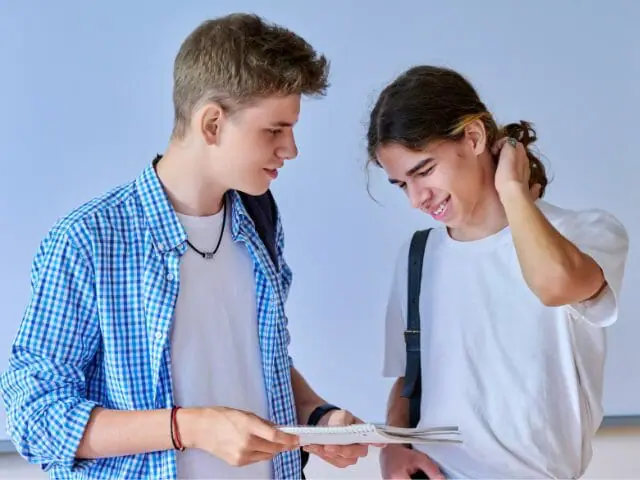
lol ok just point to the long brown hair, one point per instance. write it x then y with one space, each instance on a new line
428 103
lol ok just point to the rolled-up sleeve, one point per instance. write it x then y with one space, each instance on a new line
604 238
44 387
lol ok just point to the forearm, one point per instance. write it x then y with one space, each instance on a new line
114 433
553 267
398 406
305 397
64 430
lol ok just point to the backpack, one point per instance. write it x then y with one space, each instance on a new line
263 211
412 388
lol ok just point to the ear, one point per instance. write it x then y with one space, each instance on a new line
208 121
476 134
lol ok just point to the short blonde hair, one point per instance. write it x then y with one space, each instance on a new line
238 58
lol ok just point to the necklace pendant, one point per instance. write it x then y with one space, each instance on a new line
208 255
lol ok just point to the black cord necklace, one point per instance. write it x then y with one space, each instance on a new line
209 255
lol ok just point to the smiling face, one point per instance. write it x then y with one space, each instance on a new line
449 180
248 147
432 134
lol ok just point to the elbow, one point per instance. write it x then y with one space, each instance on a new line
17 424
565 287
44 437
550 286
46 411
23 415
552 298
19 427
44 428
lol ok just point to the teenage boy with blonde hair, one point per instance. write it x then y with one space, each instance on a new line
155 341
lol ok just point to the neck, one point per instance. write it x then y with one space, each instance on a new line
185 176
487 218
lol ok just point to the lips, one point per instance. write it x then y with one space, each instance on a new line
439 210
272 172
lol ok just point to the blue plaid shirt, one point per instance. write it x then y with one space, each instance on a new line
96 330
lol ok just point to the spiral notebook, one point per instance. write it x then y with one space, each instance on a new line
372 433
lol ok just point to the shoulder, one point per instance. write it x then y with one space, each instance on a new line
583 224
433 237
596 216
79 227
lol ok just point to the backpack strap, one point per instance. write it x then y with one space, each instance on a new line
264 212
412 380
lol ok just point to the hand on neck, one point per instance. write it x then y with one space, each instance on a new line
186 175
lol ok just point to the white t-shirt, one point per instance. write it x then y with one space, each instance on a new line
523 381
214 341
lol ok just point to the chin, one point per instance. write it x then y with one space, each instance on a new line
455 222
256 189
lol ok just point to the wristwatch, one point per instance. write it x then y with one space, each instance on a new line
320 412
314 418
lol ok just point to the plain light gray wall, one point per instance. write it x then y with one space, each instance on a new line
86 97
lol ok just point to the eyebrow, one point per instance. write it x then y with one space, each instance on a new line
413 170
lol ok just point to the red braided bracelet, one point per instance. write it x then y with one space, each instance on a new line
175 432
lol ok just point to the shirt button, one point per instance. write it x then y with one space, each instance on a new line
170 277
161 246
159 335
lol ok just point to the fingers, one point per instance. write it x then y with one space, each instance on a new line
335 451
259 444
425 464
256 448
356 450
255 457
334 459
243 438
339 455
497 146
315 449
263 429
500 143
535 191
286 439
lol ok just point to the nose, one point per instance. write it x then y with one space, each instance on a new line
417 195
288 150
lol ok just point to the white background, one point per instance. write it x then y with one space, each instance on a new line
86 104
